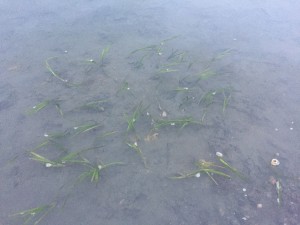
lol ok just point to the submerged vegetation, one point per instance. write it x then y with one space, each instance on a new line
211 169
163 62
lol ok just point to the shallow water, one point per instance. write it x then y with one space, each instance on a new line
230 66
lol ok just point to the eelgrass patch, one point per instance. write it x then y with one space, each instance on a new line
212 170
94 171
131 120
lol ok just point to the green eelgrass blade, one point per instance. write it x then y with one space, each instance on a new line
45 161
137 149
182 89
207 171
96 105
35 215
147 48
222 54
85 128
39 107
103 54
106 134
93 172
226 101
169 39
215 172
208 98
182 122
167 70
59 109
124 88
42 105
43 144
234 170
134 117
52 71
207 73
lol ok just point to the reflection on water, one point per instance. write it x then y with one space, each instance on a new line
156 112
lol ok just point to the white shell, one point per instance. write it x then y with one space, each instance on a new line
197 175
219 154
275 162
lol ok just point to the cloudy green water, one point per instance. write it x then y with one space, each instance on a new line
230 67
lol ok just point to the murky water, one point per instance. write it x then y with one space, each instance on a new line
156 88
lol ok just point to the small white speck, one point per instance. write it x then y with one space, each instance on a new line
159 53
34 107
291 128
128 88
245 195
148 114
276 129
214 93
186 88
75 128
48 165
292 122
244 189
259 205
65 51
244 218
91 60
46 135
197 175
219 154
135 144
99 167
234 39
172 124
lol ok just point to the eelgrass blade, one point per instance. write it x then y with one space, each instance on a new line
39 107
45 161
94 171
135 116
215 172
103 54
52 71
35 215
85 128
234 170
222 54
150 47
226 101
137 149
206 74
59 109
43 144
182 122
166 70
